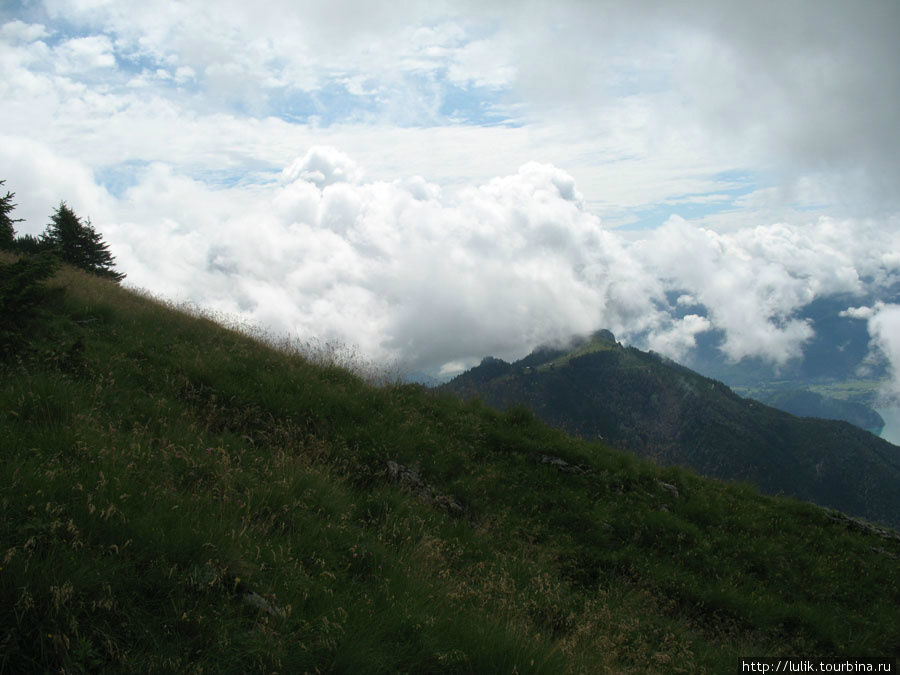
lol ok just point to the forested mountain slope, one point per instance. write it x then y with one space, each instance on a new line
639 401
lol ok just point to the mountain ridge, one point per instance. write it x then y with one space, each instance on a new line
642 402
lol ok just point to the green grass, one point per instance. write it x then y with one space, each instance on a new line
157 468
590 346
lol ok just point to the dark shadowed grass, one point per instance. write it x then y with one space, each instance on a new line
182 497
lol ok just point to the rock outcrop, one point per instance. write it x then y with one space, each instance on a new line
409 479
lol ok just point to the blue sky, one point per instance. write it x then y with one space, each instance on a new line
442 180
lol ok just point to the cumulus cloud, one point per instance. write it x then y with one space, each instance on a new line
748 296
678 340
41 178
884 328
84 54
883 323
20 32
406 270
322 166
858 312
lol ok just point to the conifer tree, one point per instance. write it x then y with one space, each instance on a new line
79 244
30 244
7 231
22 290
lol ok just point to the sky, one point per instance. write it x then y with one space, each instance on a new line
434 182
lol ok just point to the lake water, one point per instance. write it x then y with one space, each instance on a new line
891 431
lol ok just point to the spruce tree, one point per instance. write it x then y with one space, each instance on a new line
79 244
30 244
7 231
22 291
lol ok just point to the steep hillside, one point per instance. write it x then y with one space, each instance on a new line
178 497
641 402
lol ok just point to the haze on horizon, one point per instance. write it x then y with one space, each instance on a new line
435 182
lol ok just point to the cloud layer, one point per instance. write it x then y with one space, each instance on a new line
739 112
441 181
409 271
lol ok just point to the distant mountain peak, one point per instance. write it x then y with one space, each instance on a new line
604 335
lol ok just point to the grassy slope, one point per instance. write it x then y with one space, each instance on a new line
156 468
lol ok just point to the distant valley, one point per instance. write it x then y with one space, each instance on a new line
839 376
805 403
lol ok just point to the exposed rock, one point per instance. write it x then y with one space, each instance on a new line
860 525
258 601
447 503
887 553
409 479
405 476
668 487
562 464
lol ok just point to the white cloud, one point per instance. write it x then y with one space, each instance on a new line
21 32
486 63
884 328
83 54
680 338
41 178
858 312
322 166
184 74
